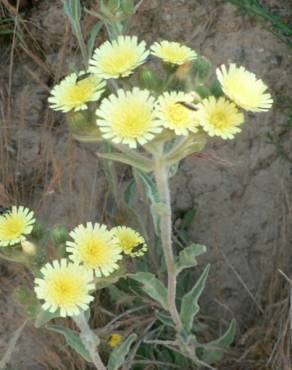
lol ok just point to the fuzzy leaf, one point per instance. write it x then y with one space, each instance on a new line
214 351
187 257
45 316
152 286
150 186
72 340
131 160
165 319
189 305
118 355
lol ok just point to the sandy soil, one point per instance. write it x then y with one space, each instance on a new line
242 193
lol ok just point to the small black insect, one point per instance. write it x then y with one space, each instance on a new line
190 106
4 210
138 248
82 77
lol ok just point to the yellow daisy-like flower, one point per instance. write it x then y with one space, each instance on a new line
95 247
244 88
15 225
118 58
173 52
75 90
115 339
219 117
65 286
128 117
176 116
131 242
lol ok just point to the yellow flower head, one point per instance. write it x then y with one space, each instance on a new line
176 116
95 247
173 52
115 339
244 88
131 242
75 90
64 286
118 58
15 225
219 117
128 117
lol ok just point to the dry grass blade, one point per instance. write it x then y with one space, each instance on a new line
11 346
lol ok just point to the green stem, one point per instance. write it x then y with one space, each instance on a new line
161 178
89 340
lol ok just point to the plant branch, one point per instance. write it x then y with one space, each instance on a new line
161 178
89 339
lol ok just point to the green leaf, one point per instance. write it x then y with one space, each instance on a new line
72 340
45 316
142 164
118 355
189 305
92 37
151 188
165 319
214 351
152 286
188 256
130 191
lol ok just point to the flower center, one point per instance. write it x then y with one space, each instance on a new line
219 119
119 60
80 92
131 120
65 290
178 114
173 54
95 252
14 227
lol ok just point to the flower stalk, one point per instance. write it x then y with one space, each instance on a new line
89 340
161 179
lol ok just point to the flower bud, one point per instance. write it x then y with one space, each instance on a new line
59 234
115 339
201 67
28 247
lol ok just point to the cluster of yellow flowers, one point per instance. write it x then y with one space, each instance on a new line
136 116
94 250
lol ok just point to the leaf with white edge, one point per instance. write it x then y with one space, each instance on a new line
189 305
188 256
214 351
152 286
45 316
72 340
143 164
118 355
165 319
150 185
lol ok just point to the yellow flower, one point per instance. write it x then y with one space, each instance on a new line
95 247
131 242
115 340
219 117
15 224
75 90
65 286
128 117
244 88
173 52
176 116
118 58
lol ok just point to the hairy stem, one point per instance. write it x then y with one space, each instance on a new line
89 340
161 178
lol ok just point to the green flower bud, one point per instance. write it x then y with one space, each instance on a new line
148 79
59 234
201 67
128 7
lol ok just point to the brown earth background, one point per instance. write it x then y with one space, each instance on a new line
241 191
